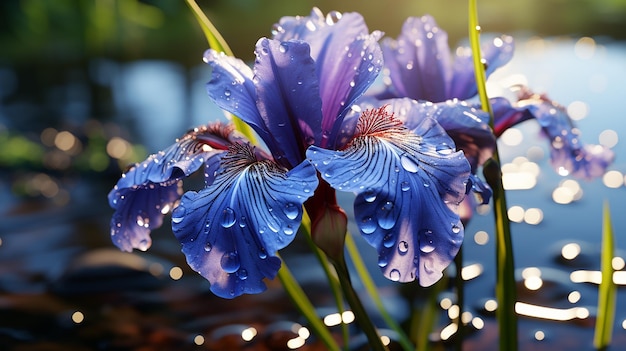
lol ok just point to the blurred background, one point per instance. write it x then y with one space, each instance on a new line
88 87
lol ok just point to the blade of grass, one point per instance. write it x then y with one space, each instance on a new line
505 267
607 289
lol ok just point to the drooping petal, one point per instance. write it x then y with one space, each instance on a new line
568 154
496 51
408 185
348 60
288 97
147 192
419 60
231 230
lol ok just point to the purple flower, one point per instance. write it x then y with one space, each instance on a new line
420 65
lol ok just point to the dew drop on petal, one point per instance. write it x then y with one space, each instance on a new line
426 241
456 229
143 245
389 240
242 274
382 261
230 262
262 253
291 211
369 195
408 164
394 275
403 247
228 218
208 247
288 230
405 186
178 214
368 225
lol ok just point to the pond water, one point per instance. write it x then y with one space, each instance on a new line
64 286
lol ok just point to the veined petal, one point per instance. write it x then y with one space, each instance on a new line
288 97
147 192
231 230
419 60
408 186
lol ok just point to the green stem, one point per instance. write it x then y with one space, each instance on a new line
362 318
505 278
333 281
370 287
305 307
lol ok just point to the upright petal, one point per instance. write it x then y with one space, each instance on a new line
288 97
231 230
147 192
408 185
419 60
348 60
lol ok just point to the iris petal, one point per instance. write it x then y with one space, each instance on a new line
419 60
149 189
408 185
288 96
568 154
231 230
348 60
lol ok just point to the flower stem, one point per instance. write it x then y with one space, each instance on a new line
362 318
505 278
370 287
305 306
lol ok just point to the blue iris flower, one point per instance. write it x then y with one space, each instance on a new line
419 65
300 97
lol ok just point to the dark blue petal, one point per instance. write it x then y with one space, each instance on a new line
145 193
409 186
419 61
231 230
288 97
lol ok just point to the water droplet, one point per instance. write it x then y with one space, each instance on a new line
405 186
283 47
230 262
208 247
456 229
242 274
262 253
403 247
444 149
389 240
369 195
382 261
178 214
291 211
368 226
394 275
277 29
333 17
143 245
227 93
426 241
288 230
408 164
228 218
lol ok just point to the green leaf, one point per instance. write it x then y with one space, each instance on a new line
607 290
